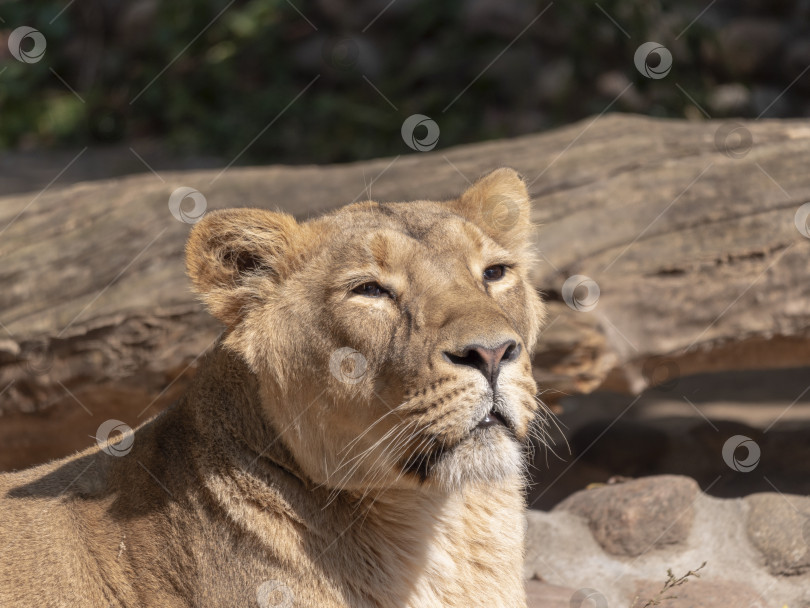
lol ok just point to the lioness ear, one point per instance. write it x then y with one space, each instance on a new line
499 204
231 253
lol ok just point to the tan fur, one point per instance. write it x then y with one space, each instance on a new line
283 479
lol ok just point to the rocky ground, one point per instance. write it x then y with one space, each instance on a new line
615 544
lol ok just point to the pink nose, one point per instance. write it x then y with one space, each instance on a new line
485 359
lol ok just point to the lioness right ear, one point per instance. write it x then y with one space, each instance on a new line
232 253
499 204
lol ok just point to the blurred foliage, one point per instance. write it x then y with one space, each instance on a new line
255 78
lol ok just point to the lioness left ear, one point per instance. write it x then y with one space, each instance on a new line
499 204
231 253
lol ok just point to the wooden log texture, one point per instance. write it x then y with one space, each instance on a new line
687 228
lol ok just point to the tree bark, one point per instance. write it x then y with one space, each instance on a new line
687 228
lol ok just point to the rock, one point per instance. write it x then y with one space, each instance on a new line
700 594
544 595
779 527
562 549
547 531
635 517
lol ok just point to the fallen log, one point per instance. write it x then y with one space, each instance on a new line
667 248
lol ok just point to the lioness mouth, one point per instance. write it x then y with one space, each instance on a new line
492 418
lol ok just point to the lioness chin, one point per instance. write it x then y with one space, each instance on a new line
355 439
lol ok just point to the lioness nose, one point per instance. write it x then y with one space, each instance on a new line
484 359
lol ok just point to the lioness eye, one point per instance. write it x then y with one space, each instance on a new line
493 273
372 290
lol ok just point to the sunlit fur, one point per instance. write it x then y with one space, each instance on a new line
378 491
294 308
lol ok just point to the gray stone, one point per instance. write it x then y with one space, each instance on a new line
779 527
549 537
637 516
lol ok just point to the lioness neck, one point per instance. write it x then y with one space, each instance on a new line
462 549
403 548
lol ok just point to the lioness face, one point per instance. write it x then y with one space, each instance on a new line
393 340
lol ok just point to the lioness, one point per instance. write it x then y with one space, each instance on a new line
354 440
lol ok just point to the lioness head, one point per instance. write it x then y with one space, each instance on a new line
392 341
